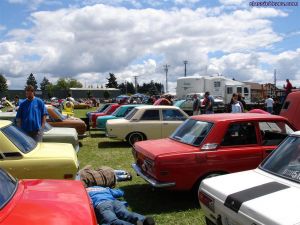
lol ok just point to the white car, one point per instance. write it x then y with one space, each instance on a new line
146 122
269 194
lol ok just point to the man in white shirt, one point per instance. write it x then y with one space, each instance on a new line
269 104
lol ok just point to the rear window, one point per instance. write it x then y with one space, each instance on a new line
151 115
285 161
192 132
21 140
273 133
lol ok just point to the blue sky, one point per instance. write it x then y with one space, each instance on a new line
87 39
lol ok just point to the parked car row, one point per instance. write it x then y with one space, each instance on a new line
259 179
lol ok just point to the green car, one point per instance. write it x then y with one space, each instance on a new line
121 112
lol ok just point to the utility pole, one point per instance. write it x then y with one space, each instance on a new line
185 62
275 81
135 83
166 69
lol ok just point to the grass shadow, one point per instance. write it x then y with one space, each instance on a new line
146 200
116 144
96 135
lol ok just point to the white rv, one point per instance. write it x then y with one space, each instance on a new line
218 86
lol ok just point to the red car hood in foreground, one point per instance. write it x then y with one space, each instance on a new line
153 148
48 202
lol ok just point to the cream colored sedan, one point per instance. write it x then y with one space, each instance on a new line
146 122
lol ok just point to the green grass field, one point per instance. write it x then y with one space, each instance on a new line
167 207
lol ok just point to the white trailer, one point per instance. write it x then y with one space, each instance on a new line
218 86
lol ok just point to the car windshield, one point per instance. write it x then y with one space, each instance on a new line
107 109
285 161
60 116
47 127
21 140
102 108
117 112
192 132
8 186
131 114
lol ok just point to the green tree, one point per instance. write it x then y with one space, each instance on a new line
111 81
62 84
3 84
50 89
32 81
127 88
106 94
43 85
73 83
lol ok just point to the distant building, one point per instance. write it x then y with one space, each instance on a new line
94 92
257 91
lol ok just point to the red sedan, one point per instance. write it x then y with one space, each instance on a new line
47 202
209 145
108 111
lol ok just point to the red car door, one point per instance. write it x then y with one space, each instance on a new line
239 149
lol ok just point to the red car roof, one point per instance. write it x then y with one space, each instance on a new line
237 117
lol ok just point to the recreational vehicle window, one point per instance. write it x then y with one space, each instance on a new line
239 89
229 90
217 84
246 90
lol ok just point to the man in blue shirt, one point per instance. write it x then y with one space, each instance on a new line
111 211
31 115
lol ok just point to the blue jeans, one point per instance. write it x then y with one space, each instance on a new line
270 109
115 213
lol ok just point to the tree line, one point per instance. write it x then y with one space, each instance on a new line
151 88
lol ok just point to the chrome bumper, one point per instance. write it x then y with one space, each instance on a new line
81 136
77 147
150 180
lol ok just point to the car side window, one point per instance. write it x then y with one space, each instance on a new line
240 134
152 114
273 133
172 115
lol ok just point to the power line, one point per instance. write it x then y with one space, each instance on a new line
166 69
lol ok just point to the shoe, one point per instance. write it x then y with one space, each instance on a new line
139 222
148 221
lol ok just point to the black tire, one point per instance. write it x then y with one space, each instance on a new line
134 137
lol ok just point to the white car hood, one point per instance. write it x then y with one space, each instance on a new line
273 200
61 131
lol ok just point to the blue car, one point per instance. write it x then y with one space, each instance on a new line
121 112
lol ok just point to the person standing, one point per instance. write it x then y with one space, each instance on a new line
288 87
31 115
208 103
236 106
196 105
269 104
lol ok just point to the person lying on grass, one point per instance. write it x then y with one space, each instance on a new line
109 210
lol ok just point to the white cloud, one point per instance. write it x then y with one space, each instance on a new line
89 42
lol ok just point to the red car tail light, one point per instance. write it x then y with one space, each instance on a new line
206 200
